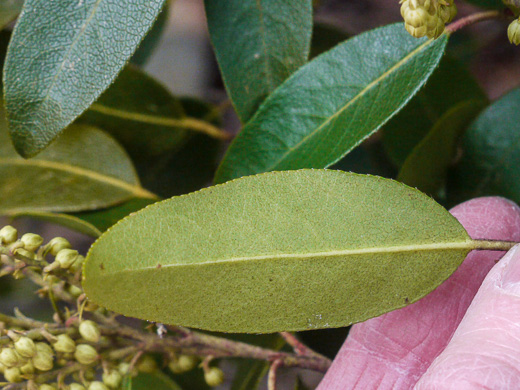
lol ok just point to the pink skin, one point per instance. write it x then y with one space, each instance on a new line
395 350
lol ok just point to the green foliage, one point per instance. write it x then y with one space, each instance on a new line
278 238
333 103
156 381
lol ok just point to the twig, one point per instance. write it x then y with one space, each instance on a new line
472 19
271 378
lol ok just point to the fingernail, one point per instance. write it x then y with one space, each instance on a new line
511 272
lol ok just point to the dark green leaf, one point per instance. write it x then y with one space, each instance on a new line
65 220
74 50
404 131
155 381
491 154
266 253
9 9
66 177
258 44
427 165
333 103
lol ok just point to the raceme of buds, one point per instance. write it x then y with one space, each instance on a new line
25 347
85 354
8 235
112 379
182 364
89 331
31 241
214 376
513 32
64 344
66 257
427 17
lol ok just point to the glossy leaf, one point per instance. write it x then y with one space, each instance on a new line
287 251
491 154
68 221
333 103
68 171
9 9
426 167
258 44
74 49
155 381
406 130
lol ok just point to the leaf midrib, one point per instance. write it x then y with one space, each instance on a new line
351 102
133 189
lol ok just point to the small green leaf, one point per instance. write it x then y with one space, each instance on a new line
281 251
491 154
427 165
258 44
405 131
65 220
333 103
68 171
155 381
9 9
74 49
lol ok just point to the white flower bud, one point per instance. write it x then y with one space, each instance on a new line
31 241
97 386
112 379
85 354
66 257
8 235
25 347
214 376
13 375
64 344
183 364
9 357
89 331
57 244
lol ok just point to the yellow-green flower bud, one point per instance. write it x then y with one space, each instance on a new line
9 357
123 368
43 360
89 331
74 291
214 376
513 32
76 386
57 244
97 386
112 379
8 235
2 368
147 364
77 264
27 368
31 241
47 387
182 364
13 375
44 349
66 257
64 344
85 354
25 253
25 347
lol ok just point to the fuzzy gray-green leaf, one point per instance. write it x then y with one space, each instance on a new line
280 251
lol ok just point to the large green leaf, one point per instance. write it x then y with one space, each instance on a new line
9 9
62 56
291 250
427 165
258 44
491 154
405 131
85 169
155 381
333 103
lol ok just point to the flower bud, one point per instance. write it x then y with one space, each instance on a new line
76 386
64 344
85 354
47 387
147 364
66 257
31 241
89 331
13 375
183 364
214 376
25 253
43 360
77 264
8 235
74 291
112 379
2 368
9 357
513 32
25 347
97 386
57 244
44 349
27 368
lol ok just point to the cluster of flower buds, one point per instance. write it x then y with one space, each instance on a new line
427 17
